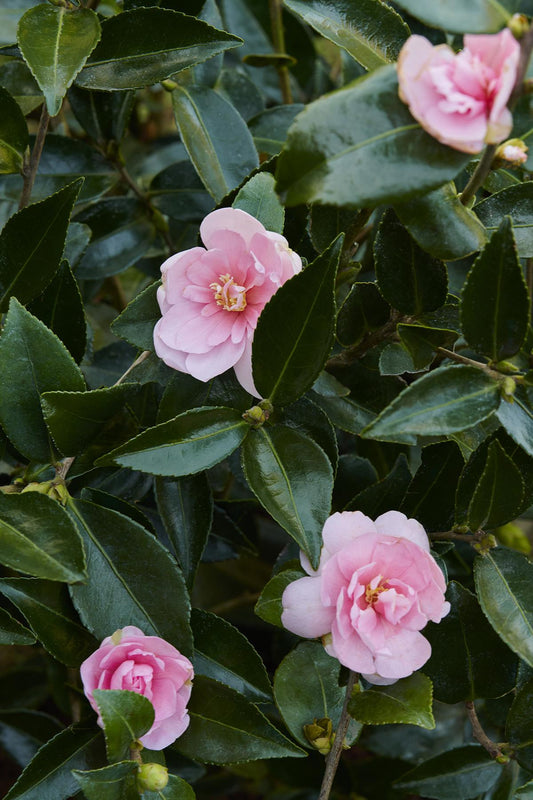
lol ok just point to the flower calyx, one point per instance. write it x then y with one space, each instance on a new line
320 735
518 25
55 489
256 416
152 778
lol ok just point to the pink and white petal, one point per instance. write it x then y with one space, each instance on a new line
343 527
231 219
351 651
205 366
160 736
303 610
394 523
175 269
403 654
172 358
243 369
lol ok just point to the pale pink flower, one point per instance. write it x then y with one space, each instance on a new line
461 98
375 588
147 665
211 297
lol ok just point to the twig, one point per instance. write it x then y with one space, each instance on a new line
332 761
278 40
368 341
471 538
479 734
29 169
460 359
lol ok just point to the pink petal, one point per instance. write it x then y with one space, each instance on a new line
394 523
231 219
303 610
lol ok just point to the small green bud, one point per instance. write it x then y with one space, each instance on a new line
486 543
518 25
40 488
256 416
502 759
507 367
507 389
169 85
319 734
152 777
267 407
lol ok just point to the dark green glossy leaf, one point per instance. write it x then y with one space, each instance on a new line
127 568
258 198
518 726
269 606
126 716
56 42
409 701
408 278
464 650
386 495
13 133
221 652
137 321
495 301
497 498
226 728
48 776
442 225
74 419
503 585
216 137
23 732
344 413
186 508
308 418
524 792
32 360
114 782
104 115
178 192
31 245
421 342
12 632
189 443
395 359
294 334
101 498
48 609
455 775
147 45
19 82
478 16
241 90
431 495
335 146
317 696
38 537
292 478
176 789
269 128
517 419
517 202
446 400
60 307
370 31
364 310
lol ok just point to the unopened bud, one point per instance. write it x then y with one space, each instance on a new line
506 367
508 388
502 759
40 488
169 85
486 543
255 416
510 154
319 734
58 491
152 778
518 25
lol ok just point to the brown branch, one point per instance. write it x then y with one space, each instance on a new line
369 340
332 761
31 165
479 734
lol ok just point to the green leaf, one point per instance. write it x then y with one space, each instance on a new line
13 133
126 716
442 225
518 725
216 137
75 419
127 568
503 585
306 687
455 775
407 277
464 650
221 652
48 609
269 606
308 418
31 245
146 45
363 310
369 31
32 360
524 792
344 413
258 198
269 128
189 443
136 323
294 334
336 146
178 192
409 701
226 728
56 42
476 16
421 342
48 776
517 419
515 201
186 508
385 495
446 400
38 537
497 498
18 80
495 301
12 632
10 13
103 115
176 789
431 495
114 782
23 732
292 478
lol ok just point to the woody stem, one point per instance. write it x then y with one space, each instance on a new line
332 761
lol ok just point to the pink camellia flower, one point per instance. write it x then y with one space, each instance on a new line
211 297
375 588
149 666
461 98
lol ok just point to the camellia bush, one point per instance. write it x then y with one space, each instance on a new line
266 399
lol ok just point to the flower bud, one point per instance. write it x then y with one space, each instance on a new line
40 488
518 25
507 389
486 543
319 734
510 154
256 416
152 777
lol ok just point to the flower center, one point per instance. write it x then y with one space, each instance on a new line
229 294
374 589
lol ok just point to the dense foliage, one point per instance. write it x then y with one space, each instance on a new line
396 369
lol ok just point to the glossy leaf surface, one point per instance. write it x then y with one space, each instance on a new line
408 701
453 775
13 133
126 716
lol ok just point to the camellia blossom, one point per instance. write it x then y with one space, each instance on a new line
147 665
375 588
461 98
211 297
